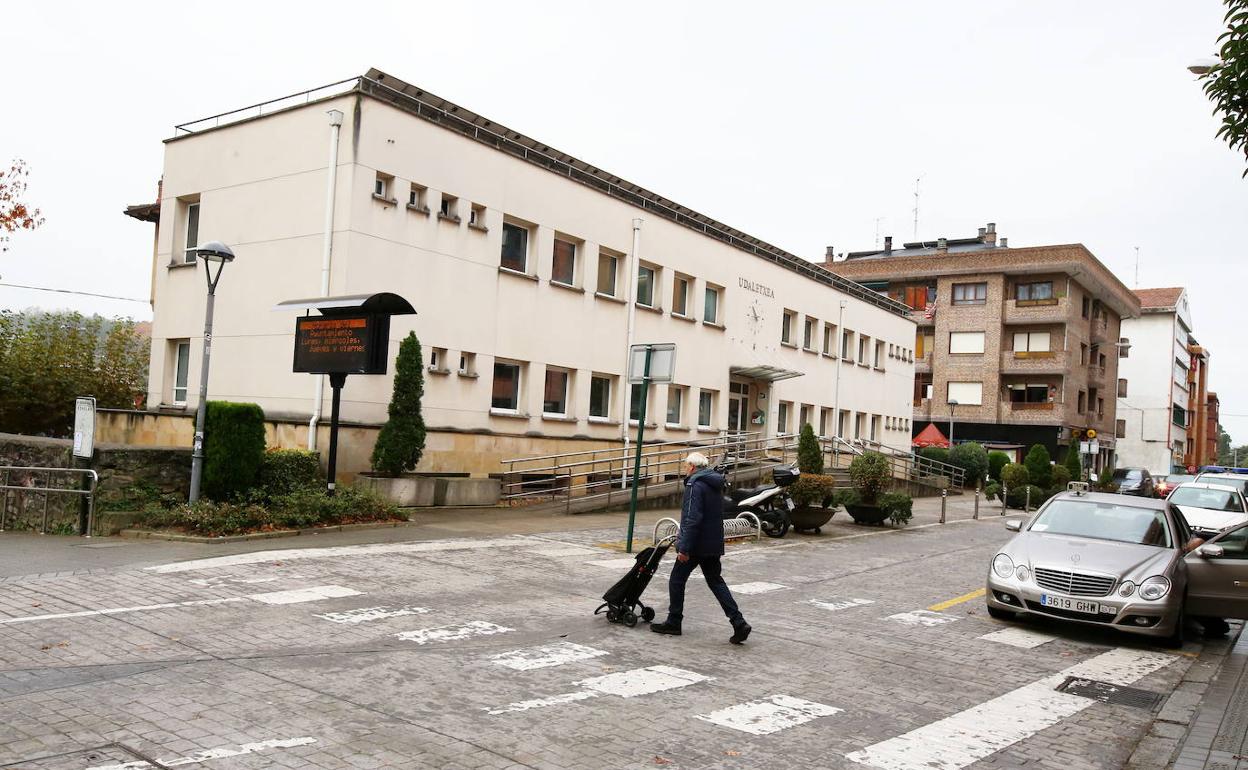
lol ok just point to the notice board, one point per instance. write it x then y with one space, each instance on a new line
349 344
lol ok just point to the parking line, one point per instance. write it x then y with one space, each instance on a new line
978 592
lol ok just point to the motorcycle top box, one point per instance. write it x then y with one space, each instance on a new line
784 475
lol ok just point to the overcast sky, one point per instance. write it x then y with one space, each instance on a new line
805 124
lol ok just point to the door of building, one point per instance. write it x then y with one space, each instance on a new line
738 407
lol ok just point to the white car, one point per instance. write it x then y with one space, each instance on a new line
1209 508
1236 480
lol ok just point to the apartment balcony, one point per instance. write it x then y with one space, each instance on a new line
923 365
1034 362
1036 311
921 317
1096 376
1100 330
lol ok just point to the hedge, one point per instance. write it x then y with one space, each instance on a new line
233 449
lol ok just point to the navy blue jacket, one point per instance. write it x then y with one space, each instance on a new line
702 515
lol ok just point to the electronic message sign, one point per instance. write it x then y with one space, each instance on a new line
341 344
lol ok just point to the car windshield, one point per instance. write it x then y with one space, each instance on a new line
1104 521
1213 499
1235 482
1122 475
1175 480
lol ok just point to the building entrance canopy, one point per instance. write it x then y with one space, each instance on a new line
382 303
764 373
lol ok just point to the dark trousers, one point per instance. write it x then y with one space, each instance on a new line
710 565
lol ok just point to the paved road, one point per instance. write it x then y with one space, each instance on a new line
871 649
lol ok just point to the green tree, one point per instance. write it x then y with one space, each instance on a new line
1039 467
972 458
997 461
1226 84
1014 476
401 441
1073 462
809 453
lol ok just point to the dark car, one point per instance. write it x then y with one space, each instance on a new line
1133 481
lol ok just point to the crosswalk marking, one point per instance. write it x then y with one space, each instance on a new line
1018 637
452 633
205 755
756 588
537 703
642 681
921 618
546 656
839 604
300 595
367 614
770 715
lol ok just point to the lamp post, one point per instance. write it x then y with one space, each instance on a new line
1203 65
836 402
213 253
952 404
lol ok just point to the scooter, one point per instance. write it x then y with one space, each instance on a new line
771 503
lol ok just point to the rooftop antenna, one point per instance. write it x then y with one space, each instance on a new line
1137 267
877 231
916 207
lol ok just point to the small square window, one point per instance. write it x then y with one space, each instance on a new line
608 266
418 198
448 209
476 217
437 360
468 364
710 305
382 186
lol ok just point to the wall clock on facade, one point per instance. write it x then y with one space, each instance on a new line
755 318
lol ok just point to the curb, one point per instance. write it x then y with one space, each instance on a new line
150 534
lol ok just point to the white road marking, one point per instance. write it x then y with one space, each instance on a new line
119 610
571 550
372 549
642 681
756 588
546 656
554 700
300 595
367 614
770 715
620 564
840 604
1018 637
971 735
220 753
921 618
453 633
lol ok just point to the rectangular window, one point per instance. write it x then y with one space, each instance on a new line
859 420
841 419
786 326
181 368
555 393
515 252
803 416
1031 342
710 305
966 342
782 417
706 404
970 293
599 396
824 418
506 393
1178 415
879 355
1033 291
634 402
381 185
1124 347
192 232
1100 407
645 285
1083 402
966 393
449 208
607 265
829 339
808 334
1029 394
863 341
875 427
563 265
417 197
1120 428
476 216
1087 306
680 296
1122 388
847 346
1083 354
468 364
675 404
437 360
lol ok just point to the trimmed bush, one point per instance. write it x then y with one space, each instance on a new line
301 508
1014 476
937 453
283 471
1039 465
1018 496
871 474
813 490
972 458
233 449
997 461
992 491
1073 464
1105 480
1061 477
898 506
401 442
809 453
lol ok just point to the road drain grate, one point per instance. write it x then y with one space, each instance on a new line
1110 693
113 754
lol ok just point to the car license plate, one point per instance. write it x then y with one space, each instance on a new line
1074 605
788 501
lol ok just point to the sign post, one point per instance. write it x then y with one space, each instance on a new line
84 449
646 364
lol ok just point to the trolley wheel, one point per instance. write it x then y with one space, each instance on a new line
818 530
647 614
613 615
629 618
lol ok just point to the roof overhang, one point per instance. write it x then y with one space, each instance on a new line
382 303
144 212
766 373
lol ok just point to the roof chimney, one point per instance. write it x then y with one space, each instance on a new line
990 234
1005 242
888 245
942 245
829 253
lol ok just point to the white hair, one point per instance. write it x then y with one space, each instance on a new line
697 460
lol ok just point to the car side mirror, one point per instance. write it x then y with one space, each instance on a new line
1014 525
1211 551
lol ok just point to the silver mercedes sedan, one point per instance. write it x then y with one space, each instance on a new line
1129 563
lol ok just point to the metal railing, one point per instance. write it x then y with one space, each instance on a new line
742 526
905 464
85 479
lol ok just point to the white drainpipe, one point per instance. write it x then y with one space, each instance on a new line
335 124
634 273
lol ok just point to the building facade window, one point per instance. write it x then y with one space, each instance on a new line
966 393
468 364
555 393
1122 387
966 342
417 197
808 334
476 216
515 251
1032 393
710 305
599 396
563 263
1087 307
608 264
192 233
506 392
1124 347
863 342
1083 402
970 293
706 408
825 415
829 339
879 355
449 208
847 346
181 369
680 296
675 404
1031 342
786 326
646 279
803 416
1178 415
1120 428
1030 292
782 416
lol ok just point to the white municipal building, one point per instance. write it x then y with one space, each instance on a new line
530 270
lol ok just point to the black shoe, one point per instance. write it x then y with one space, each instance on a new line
741 633
671 629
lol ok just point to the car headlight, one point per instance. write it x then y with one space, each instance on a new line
1154 588
1126 589
1022 573
1002 565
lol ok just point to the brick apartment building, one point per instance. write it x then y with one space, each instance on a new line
1023 339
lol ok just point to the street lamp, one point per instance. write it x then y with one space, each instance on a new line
952 404
214 253
1203 65
836 401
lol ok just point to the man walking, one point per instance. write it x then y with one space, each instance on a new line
700 544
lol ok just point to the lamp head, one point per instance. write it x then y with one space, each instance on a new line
214 251
1203 65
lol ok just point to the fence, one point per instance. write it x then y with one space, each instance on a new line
84 481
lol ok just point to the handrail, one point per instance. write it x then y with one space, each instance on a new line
88 475
907 465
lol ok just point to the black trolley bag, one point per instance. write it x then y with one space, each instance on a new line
622 600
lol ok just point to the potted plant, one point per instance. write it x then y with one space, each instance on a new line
871 475
813 493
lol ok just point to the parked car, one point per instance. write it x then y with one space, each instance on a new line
1162 485
1116 562
1236 480
1209 508
1133 481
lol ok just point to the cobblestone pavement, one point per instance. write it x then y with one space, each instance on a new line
871 649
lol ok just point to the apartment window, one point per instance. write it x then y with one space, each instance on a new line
860 420
449 208
706 404
1083 354
1083 402
1124 347
824 414
1032 393
966 393
646 279
468 364
782 417
476 216
1031 342
875 427
607 266
181 368
382 184
1178 415
599 396
634 403
808 333
1101 360
563 266
841 419
675 404
829 339
515 251
437 360
863 341
1120 428
710 305
1087 306
418 197
555 393
786 326
1100 407
879 355
192 233
803 416
891 349
966 342
506 392
1029 292
1122 388
847 344
970 293
680 296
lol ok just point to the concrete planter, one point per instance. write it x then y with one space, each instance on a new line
468 492
406 491
867 514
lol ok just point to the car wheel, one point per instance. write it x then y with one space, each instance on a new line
998 614
1179 635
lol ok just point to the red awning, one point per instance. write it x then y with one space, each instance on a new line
930 436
